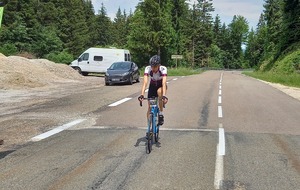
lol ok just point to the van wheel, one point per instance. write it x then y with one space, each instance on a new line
84 73
78 70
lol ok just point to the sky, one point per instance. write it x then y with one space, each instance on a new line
226 9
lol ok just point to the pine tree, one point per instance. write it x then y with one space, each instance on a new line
291 24
103 28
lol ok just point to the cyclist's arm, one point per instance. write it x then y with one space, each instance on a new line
144 84
164 85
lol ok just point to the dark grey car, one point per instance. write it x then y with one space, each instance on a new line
122 72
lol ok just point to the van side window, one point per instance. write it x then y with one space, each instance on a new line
98 58
85 57
129 57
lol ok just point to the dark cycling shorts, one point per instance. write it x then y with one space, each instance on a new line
153 87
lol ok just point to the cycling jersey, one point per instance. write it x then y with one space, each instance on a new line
156 78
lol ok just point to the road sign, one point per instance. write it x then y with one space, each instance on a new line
176 57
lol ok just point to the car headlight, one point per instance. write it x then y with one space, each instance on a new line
106 74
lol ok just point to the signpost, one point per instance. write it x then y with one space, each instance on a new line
176 57
1 12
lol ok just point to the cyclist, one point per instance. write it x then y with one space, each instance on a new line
158 85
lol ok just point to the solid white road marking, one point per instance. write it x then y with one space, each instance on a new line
119 102
220 100
56 130
221 141
161 129
220 113
219 168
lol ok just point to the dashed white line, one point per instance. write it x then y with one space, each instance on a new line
119 102
220 113
220 100
56 130
175 79
220 92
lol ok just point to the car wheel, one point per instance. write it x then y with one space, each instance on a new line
131 80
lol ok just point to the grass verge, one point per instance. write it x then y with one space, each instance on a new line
180 71
284 79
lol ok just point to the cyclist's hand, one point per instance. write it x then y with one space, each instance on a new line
165 99
141 98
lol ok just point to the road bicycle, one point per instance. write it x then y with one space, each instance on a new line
153 127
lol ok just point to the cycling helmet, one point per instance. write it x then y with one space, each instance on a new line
154 60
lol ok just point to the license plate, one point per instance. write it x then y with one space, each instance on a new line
115 79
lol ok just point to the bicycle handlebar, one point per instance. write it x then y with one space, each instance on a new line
141 102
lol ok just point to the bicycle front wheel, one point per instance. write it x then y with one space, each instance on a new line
156 134
149 135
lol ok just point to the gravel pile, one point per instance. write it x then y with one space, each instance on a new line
19 72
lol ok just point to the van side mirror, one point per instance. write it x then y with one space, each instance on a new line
79 59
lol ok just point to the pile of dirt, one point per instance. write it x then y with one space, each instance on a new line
19 72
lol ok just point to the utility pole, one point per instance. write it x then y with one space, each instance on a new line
1 14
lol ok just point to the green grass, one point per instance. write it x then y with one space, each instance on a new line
284 79
180 71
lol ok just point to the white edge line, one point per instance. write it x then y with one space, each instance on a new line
119 102
56 130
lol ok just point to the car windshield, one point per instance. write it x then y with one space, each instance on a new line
120 66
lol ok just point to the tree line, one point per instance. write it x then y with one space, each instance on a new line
62 29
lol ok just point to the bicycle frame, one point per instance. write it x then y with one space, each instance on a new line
153 128
153 115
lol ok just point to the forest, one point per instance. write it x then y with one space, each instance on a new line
60 30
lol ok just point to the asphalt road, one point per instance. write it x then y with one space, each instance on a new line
222 130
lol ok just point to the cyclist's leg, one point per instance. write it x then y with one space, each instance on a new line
152 92
160 93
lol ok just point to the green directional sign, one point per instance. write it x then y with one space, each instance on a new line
1 13
176 56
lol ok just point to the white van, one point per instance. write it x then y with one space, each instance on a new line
97 60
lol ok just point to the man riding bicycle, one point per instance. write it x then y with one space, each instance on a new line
158 85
